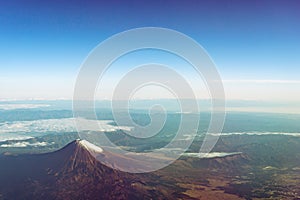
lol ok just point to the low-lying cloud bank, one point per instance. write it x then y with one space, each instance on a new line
25 144
12 136
55 125
211 154
22 130
257 133
22 106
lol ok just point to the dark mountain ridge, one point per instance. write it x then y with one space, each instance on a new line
69 173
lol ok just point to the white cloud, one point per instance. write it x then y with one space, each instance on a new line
210 155
25 144
21 130
13 136
258 133
21 106
38 126
99 125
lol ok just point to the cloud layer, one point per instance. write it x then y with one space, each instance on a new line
258 133
211 154
22 130
21 106
25 144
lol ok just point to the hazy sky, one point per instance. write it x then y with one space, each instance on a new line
255 44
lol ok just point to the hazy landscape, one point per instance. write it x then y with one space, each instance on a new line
256 157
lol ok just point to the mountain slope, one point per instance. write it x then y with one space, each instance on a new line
73 173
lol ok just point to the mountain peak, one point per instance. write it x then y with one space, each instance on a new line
89 146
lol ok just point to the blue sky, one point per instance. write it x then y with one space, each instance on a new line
43 43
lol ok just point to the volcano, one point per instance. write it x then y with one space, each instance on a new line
72 173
